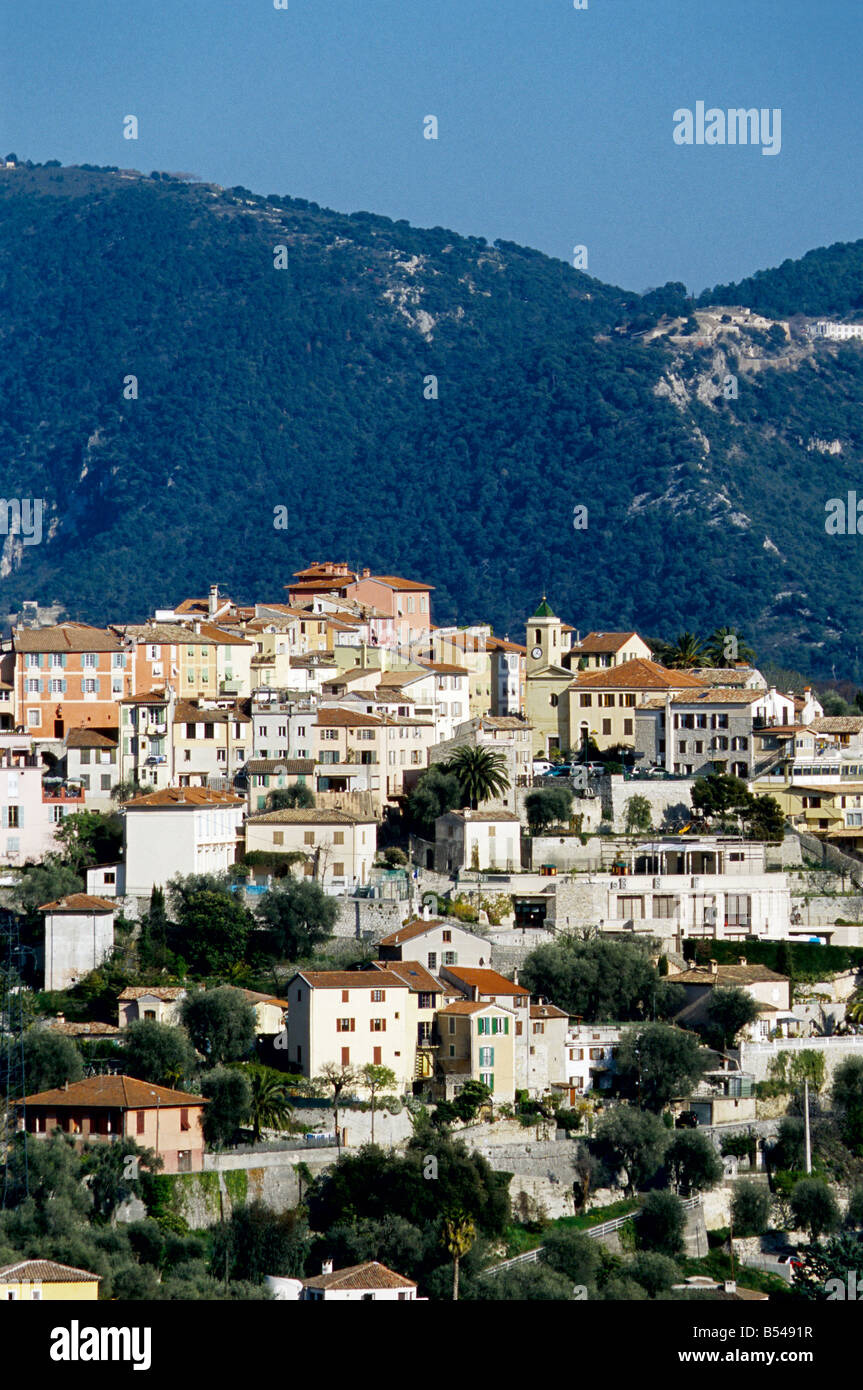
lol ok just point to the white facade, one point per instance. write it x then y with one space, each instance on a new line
78 938
838 332
351 1018
477 840
27 820
184 830
339 846
590 1056
700 886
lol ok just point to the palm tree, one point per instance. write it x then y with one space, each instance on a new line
481 774
458 1233
725 647
686 650
270 1107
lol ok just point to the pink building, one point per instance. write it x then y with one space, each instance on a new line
110 1107
29 814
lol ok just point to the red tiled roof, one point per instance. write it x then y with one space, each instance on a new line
413 974
79 902
412 929
184 796
66 637
45 1272
118 1092
89 738
350 979
371 1275
395 582
638 674
486 981
603 642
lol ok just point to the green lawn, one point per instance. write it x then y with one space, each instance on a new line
520 1239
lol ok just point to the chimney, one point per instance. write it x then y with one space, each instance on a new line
467 813
713 967
741 960
366 574
197 627
327 1267
515 977
213 600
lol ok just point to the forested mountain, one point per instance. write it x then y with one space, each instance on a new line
826 282
308 387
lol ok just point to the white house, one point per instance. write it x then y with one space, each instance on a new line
79 935
685 886
351 1018
365 1283
589 1057
93 763
339 845
178 830
477 840
436 942
28 817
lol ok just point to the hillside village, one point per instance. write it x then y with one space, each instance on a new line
302 894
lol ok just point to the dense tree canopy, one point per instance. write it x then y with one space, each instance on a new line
598 979
658 1063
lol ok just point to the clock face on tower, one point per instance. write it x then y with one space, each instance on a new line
536 653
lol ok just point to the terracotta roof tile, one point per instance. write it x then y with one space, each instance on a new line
350 979
183 796
79 902
45 1272
638 674
118 1092
372 1275
66 637
603 642
487 981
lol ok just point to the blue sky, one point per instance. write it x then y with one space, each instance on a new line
555 124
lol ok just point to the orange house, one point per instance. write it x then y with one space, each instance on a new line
104 1108
70 676
406 601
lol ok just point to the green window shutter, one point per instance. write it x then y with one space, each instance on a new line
506 1025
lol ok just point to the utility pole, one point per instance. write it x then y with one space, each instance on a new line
807 1134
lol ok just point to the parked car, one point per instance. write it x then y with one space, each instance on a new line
541 767
595 769
657 771
562 770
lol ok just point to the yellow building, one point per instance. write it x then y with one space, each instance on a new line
602 704
815 808
476 1044
34 1281
598 651
547 679
467 649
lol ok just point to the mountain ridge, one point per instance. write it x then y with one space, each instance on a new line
309 387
